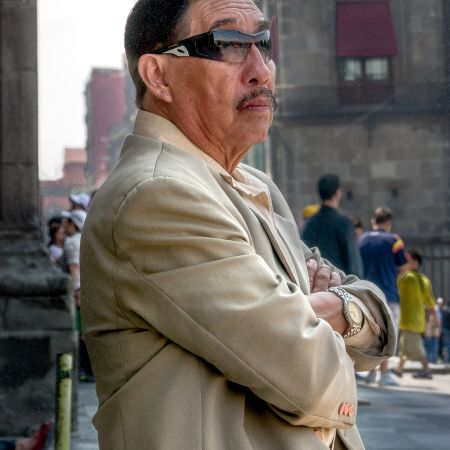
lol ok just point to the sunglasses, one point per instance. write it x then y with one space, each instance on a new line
222 45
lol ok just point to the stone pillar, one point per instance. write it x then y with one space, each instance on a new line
36 306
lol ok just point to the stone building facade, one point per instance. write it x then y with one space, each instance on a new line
106 105
395 151
364 91
54 194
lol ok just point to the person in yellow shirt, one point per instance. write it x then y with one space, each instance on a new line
416 296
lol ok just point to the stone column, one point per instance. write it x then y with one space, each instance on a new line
36 307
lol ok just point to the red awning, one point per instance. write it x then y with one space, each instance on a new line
364 29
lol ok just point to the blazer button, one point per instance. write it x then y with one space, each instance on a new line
351 410
318 433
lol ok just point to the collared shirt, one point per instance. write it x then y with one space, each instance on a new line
252 189
257 195
382 254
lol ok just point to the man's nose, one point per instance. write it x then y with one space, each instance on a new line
258 71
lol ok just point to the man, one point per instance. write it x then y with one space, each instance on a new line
383 259
331 231
358 226
73 223
200 321
416 296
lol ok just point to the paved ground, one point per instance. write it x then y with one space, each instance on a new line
414 416
86 437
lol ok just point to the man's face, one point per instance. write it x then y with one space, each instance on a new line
213 98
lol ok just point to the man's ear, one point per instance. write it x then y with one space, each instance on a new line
151 70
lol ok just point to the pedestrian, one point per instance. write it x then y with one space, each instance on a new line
56 241
306 213
383 259
73 223
332 232
445 312
208 324
416 296
433 333
79 201
358 226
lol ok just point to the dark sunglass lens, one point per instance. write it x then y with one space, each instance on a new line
230 46
208 49
233 51
265 48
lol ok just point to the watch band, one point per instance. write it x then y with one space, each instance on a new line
346 298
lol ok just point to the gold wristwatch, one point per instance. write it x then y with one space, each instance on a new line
352 312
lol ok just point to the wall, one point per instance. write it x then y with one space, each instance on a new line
394 153
36 307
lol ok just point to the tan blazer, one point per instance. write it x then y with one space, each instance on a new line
196 320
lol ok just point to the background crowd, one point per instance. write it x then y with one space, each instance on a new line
380 255
64 233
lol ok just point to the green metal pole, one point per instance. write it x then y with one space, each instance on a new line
64 366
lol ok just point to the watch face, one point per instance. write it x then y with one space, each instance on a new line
355 313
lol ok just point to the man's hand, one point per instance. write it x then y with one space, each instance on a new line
328 306
321 277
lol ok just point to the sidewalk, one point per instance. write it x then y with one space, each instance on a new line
440 373
86 437
412 416
390 408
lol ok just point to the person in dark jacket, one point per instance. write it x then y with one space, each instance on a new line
332 232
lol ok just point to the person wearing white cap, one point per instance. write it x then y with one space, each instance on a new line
79 201
73 223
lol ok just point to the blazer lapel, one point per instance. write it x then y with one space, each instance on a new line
279 246
288 233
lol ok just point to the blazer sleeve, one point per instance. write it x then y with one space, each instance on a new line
373 298
367 292
185 267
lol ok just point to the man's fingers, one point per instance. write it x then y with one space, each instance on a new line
335 280
321 279
311 265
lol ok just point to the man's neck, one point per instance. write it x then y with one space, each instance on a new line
332 203
379 227
218 149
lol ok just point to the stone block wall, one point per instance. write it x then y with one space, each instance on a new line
36 323
395 153
402 163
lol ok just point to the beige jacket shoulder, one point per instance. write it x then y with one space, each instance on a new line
199 335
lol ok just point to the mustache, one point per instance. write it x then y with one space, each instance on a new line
264 91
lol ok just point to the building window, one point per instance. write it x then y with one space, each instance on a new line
377 69
365 80
365 46
350 69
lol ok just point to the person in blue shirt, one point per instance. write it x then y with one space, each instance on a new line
384 258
